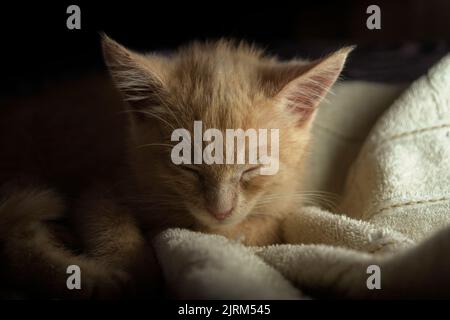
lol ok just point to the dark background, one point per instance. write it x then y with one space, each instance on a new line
37 47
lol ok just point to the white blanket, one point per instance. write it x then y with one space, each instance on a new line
396 196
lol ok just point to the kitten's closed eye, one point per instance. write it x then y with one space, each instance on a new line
190 169
250 173
245 175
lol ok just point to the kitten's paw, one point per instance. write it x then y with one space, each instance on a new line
112 284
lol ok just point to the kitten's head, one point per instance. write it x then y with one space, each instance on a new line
226 86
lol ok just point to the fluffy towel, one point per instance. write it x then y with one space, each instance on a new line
395 200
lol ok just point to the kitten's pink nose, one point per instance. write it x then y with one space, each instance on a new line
220 215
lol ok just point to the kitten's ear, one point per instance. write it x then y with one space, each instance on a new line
304 92
139 78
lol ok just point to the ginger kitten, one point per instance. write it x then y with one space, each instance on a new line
224 85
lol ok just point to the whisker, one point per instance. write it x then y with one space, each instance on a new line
318 198
153 115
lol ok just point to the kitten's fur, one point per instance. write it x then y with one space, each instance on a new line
225 86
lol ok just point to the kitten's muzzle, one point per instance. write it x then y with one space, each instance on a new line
220 215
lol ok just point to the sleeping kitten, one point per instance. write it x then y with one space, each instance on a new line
226 86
